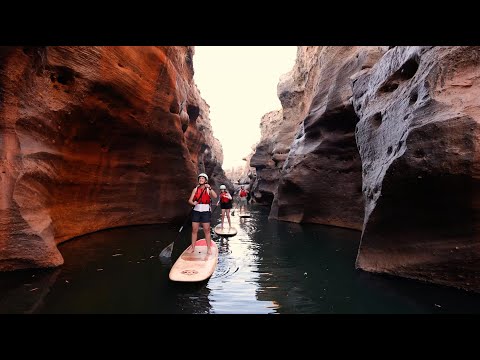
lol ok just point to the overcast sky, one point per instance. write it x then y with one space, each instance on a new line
240 85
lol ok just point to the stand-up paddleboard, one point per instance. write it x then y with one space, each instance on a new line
225 232
197 266
244 214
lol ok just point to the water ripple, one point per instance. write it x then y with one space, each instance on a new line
268 267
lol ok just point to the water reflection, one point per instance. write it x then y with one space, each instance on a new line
113 271
268 267
233 285
308 268
27 288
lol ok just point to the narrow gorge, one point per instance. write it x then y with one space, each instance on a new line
383 140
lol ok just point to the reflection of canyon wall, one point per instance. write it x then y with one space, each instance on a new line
295 279
418 137
25 294
93 138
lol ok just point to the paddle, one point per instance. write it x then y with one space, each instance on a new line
167 252
236 206
215 208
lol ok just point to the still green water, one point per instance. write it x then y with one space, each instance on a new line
269 267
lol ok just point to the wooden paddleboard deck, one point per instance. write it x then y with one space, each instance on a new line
225 232
197 266
246 214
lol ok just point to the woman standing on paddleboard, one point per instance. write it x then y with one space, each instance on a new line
242 194
201 197
226 205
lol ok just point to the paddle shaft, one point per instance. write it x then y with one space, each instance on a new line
236 206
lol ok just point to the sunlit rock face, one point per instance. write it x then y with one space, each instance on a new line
418 137
93 138
205 149
320 179
278 128
242 175
249 173
266 169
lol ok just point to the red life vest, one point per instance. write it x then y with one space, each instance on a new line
224 199
243 193
205 199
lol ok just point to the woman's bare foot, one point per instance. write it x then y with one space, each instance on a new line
209 250
192 249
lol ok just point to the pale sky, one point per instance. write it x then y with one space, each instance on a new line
240 85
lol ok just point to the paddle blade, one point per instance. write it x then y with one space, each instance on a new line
167 252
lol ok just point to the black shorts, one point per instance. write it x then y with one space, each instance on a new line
201 216
226 205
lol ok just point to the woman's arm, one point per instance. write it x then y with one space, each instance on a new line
212 192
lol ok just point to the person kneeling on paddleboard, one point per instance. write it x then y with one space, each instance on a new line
201 214
225 205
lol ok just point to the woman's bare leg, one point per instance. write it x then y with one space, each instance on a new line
195 226
206 230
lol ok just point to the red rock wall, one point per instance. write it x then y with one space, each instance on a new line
93 138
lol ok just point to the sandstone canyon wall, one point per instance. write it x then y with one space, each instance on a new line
94 138
384 140
267 160
418 137
310 169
